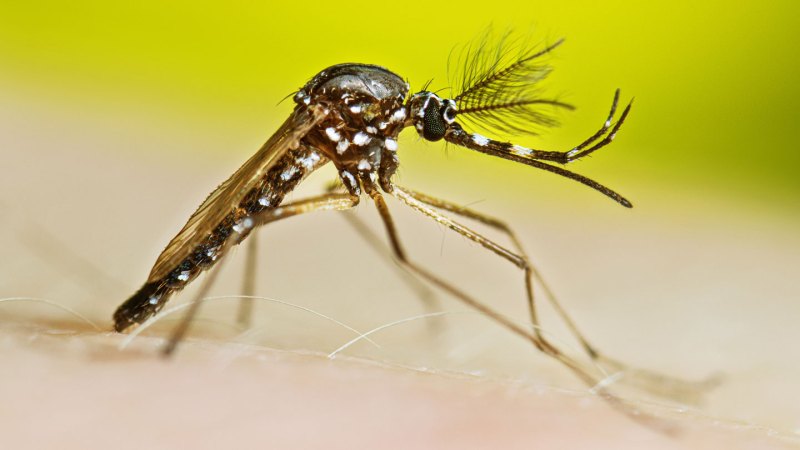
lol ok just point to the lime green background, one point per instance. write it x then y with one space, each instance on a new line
715 82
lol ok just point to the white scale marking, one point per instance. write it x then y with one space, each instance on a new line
212 253
421 112
372 130
361 138
333 134
364 165
342 146
264 201
309 161
520 150
350 180
183 276
390 144
399 115
289 173
483 141
153 300
242 225
355 109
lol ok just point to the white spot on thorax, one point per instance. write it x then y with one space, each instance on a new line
399 115
342 146
483 141
356 109
372 130
361 138
382 125
333 134
364 165
390 144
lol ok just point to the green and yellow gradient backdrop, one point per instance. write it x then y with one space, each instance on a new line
715 82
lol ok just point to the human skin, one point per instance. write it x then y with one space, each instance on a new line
65 386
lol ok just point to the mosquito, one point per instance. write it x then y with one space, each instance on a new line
350 115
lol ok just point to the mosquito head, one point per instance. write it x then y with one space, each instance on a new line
432 115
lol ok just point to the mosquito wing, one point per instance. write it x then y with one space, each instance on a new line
230 193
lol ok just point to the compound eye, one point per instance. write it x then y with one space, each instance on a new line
434 126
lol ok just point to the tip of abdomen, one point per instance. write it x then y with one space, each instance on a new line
142 305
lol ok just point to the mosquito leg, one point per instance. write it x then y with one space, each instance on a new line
400 254
327 202
653 382
536 338
530 269
245 312
518 260
422 291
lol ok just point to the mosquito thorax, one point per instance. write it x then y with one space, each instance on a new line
432 115
365 107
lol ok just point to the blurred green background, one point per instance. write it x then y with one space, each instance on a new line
715 82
